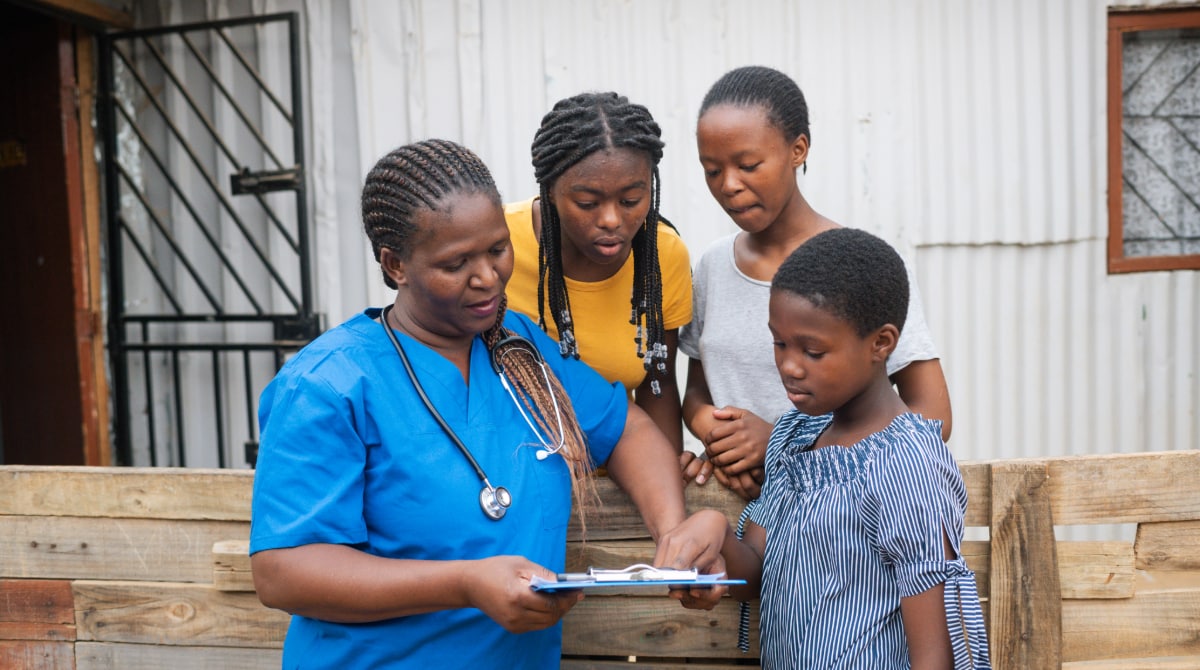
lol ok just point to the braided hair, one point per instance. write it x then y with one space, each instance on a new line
768 88
426 176
574 129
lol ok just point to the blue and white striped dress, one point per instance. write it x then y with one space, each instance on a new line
850 531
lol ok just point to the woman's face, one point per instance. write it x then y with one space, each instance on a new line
749 166
459 263
602 202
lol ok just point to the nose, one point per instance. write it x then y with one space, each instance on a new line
730 184
790 366
609 218
485 275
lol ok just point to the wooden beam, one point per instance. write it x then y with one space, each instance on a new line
92 13
1025 600
654 626
83 548
108 655
175 614
135 493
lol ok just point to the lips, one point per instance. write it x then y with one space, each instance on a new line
609 246
485 307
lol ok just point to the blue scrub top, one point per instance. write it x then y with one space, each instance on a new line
350 455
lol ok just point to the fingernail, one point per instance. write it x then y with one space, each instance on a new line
700 479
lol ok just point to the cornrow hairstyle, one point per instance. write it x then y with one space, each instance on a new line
574 129
768 88
851 274
425 176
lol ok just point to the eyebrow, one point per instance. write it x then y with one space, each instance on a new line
580 188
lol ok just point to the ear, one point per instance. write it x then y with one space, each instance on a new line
799 151
393 266
883 343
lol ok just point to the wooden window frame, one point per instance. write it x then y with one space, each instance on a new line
1119 23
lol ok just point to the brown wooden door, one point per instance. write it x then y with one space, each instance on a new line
47 385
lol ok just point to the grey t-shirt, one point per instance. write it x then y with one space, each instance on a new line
729 334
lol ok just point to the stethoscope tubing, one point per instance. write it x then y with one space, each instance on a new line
498 495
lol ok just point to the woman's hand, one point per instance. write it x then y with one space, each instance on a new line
499 587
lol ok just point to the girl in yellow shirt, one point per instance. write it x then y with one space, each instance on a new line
612 289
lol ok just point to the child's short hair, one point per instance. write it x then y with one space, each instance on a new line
852 274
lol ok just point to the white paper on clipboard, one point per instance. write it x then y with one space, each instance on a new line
631 577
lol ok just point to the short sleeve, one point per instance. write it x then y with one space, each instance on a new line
910 510
689 334
916 342
676 270
309 480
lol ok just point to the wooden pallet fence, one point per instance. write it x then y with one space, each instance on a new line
148 568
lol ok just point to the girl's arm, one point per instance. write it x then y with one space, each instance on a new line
340 583
922 386
664 409
925 627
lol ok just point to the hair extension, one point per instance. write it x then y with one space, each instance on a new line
524 369
770 89
574 129
423 176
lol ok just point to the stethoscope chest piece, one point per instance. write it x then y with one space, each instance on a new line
494 501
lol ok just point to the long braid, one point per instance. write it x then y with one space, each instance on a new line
425 176
574 129
546 406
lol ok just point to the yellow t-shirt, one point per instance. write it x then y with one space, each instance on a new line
601 309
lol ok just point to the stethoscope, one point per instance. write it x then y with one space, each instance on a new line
493 500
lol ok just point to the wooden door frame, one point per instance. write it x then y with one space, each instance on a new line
80 20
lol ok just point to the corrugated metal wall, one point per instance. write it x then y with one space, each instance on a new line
970 134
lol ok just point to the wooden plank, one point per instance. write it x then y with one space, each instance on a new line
174 614
36 610
1163 623
979 559
37 655
138 493
1125 488
618 519
36 601
1157 663
1096 569
1025 602
654 626
107 656
231 566
1168 546
978 478
90 548
92 12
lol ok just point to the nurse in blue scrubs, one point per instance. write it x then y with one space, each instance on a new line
418 463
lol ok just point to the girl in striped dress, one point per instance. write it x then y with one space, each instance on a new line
854 546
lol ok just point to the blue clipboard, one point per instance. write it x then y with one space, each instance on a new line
634 576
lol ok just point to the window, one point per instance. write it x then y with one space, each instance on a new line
1154 140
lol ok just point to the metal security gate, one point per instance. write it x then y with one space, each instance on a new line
208 250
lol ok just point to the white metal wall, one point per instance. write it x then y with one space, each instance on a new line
970 134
